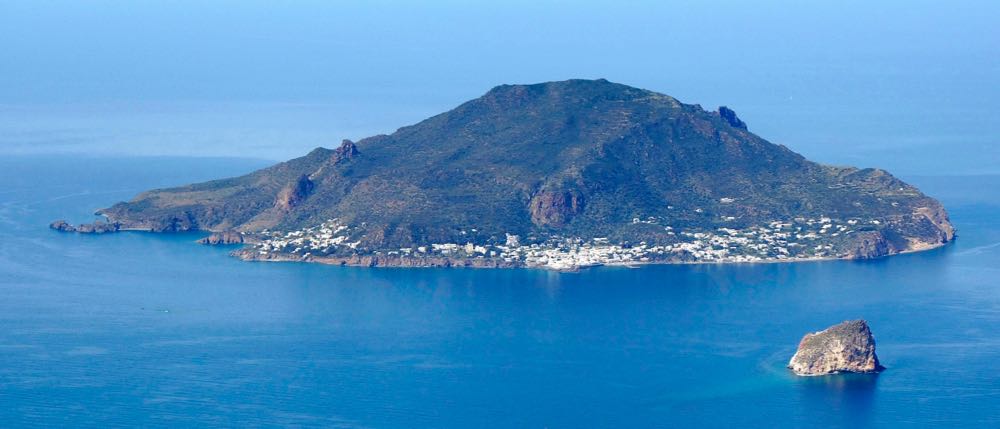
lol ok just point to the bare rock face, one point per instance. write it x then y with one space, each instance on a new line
846 347
871 245
347 150
224 237
294 193
730 116
935 215
555 208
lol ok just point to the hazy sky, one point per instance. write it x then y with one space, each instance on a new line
909 85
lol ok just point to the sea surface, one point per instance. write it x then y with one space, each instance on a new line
145 330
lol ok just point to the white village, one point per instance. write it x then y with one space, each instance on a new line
796 239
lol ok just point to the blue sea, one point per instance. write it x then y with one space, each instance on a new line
145 330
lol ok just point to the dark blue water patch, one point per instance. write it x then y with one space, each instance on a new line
152 330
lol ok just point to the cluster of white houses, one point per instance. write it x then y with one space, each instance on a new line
325 238
799 238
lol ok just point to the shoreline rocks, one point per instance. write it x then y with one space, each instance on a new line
98 227
61 225
845 347
223 238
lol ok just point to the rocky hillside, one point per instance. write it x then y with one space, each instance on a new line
578 159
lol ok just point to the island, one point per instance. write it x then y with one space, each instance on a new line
558 175
846 347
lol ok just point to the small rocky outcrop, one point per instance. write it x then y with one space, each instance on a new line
730 116
61 225
223 238
846 347
347 150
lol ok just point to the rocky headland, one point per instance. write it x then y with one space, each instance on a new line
97 227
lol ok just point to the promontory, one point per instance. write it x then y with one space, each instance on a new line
558 175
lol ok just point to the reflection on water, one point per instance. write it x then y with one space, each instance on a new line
850 397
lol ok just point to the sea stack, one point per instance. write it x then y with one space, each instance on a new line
845 347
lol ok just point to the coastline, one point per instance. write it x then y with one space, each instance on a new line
377 261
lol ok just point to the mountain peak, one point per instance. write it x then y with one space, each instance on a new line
571 90
560 84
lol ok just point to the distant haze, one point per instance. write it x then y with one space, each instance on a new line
912 86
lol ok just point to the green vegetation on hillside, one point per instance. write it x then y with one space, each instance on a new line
577 158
